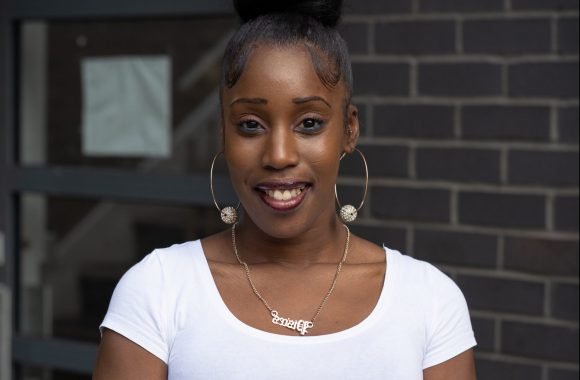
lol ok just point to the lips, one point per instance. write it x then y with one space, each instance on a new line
283 196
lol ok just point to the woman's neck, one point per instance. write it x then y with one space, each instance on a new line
322 243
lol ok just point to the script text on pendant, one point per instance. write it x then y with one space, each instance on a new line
300 325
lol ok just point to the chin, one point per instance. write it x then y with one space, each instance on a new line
280 228
285 226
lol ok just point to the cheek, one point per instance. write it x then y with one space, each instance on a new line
326 151
239 161
324 161
235 148
238 157
327 170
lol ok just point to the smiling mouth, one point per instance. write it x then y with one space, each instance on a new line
283 197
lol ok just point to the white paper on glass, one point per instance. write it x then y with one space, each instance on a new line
126 106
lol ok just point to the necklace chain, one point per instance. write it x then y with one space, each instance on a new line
294 325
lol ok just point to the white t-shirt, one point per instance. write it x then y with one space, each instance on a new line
169 304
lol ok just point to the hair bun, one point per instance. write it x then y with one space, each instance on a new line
326 11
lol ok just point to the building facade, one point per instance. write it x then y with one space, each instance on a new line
469 115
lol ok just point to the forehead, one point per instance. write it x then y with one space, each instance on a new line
272 70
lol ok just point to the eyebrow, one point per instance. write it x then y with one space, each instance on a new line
311 99
305 99
249 101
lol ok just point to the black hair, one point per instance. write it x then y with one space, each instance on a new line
284 23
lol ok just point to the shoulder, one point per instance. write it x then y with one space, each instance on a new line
163 263
441 304
151 287
143 301
421 275
177 253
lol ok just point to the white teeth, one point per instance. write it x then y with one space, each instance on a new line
283 195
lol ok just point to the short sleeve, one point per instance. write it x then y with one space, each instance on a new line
449 331
137 310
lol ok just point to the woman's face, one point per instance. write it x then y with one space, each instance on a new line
284 133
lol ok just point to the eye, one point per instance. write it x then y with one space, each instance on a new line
311 125
249 126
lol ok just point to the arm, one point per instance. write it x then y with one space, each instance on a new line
120 358
461 367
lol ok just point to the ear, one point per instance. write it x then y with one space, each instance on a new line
353 128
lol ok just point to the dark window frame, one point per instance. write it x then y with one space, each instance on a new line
16 179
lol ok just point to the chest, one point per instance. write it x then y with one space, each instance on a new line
222 350
300 295
365 330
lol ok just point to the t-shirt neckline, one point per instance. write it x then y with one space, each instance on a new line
222 310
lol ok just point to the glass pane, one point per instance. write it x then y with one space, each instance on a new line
73 252
36 373
138 95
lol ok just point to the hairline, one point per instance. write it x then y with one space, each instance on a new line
312 50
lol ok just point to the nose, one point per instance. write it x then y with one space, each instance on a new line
281 150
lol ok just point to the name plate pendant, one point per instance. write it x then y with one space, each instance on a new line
300 325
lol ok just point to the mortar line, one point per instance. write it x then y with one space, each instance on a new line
413 79
522 318
412 162
447 16
554 133
415 6
507 358
503 274
543 146
504 165
481 100
545 371
484 188
465 58
548 299
445 227
454 207
508 5
457 126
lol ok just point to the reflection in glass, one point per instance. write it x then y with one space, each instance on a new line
51 88
36 373
74 251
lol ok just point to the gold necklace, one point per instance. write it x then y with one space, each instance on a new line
299 325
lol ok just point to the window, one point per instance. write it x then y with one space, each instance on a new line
86 198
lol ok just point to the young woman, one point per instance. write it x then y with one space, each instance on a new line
287 292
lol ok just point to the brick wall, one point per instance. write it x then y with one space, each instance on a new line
469 114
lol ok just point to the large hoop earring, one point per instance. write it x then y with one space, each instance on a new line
348 213
228 214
